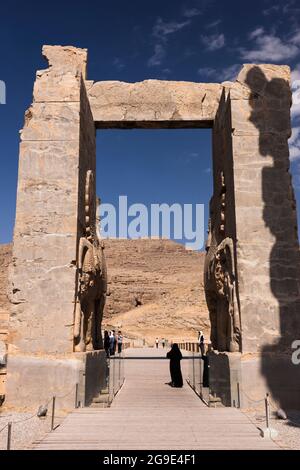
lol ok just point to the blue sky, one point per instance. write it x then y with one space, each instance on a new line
194 40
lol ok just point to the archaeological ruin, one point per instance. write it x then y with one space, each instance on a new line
58 271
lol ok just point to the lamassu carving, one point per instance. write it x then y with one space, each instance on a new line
92 278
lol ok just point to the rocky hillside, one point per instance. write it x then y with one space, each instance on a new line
155 289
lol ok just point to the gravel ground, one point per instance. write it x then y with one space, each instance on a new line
288 430
26 429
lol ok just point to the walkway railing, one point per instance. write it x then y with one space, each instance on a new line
189 346
115 376
197 376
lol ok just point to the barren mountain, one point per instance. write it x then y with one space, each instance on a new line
155 290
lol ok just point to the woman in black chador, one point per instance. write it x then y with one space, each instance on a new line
175 357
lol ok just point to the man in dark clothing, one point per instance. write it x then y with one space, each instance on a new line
106 343
175 357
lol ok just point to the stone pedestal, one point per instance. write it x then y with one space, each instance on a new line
242 380
33 381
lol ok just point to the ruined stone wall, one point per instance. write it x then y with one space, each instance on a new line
153 104
87 155
46 231
220 264
266 221
258 217
5 259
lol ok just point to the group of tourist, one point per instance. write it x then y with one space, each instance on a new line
113 342
163 342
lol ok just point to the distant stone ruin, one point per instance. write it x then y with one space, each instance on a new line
252 268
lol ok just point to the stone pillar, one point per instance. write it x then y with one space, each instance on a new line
266 230
57 148
262 223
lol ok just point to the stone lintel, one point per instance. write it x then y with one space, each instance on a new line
153 104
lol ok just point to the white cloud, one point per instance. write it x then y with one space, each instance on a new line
208 72
118 63
191 12
272 9
230 73
295 82
158 56
256 32
296 39
295 75
287 8
294 144
268 47
214 41
226 73
213 24
161 29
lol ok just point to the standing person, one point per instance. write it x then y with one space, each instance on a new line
106 343
156 343
111 344
115 341
175 357
120 342
201 342
163 342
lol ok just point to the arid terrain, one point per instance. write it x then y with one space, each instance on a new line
155 289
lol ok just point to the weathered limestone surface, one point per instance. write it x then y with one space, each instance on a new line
36 379
46 229
253 270
267 247
57 151
153 103
266 221
220 272
5 259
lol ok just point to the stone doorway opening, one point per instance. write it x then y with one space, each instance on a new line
156 166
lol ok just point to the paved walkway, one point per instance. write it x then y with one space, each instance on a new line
147 414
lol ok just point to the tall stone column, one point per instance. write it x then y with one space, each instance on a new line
57 149
266 228
254 295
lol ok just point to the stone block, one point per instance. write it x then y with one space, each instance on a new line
157 102
52 122
245 379
33 380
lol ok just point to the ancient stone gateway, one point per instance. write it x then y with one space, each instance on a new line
252 265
